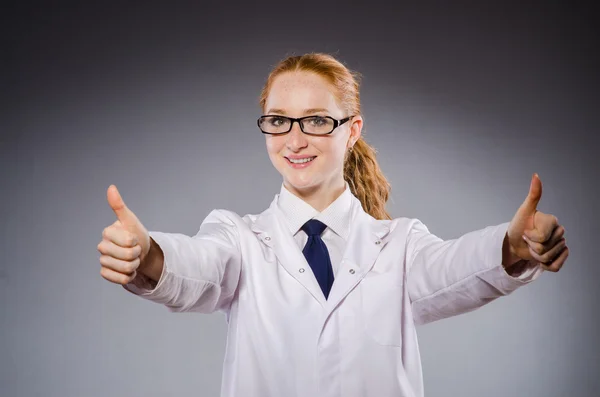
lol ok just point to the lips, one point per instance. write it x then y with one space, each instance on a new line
300 161
298 157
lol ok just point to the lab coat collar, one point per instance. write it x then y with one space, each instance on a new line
367 236
297 212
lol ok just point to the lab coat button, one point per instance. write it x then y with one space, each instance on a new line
301 270
378 242
268 238
351 271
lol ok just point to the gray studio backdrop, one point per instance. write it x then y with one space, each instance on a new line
462 103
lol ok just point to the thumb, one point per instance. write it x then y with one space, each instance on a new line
123 213
535 194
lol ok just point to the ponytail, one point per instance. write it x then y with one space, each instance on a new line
366 180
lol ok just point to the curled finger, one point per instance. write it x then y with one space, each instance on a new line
111 249
121 266
553 252
558 262
116 277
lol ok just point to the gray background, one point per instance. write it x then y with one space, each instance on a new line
463 103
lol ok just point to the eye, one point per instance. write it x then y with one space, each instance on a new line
276 121
318 121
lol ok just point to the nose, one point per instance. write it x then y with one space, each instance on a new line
296 139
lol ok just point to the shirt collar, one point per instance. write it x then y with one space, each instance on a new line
297 212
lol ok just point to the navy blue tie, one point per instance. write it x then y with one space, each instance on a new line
317 256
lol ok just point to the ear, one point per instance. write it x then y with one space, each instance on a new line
355 130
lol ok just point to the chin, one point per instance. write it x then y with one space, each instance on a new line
299 181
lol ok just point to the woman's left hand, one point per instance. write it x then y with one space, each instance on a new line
533 235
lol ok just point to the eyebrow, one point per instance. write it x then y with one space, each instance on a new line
307 111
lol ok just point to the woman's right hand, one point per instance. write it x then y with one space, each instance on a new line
125 244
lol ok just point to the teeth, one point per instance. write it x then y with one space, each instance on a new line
306 160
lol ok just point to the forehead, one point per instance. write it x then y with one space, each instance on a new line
295 92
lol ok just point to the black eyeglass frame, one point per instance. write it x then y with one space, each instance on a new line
336 124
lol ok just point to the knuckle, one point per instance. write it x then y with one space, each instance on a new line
537 248
130 267
124 279
131 239
105 274
127 254
132 253
557 233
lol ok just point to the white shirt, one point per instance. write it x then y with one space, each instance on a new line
336 216
285 339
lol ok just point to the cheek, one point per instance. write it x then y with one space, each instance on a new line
270 144
334 148
274 146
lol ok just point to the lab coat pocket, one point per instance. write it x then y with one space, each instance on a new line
382 308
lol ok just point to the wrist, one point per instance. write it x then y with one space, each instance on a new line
151 265
509 257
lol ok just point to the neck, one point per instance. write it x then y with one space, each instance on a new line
319 197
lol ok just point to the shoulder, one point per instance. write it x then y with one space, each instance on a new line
404 225
222 216
226 226
401 222
231 218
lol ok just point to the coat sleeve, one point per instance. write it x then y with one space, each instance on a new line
200 273
450 277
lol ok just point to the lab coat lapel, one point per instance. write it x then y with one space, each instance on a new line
366 239
270 228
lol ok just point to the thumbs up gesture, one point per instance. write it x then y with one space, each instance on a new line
124 244
533 235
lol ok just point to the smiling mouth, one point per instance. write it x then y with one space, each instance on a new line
301 161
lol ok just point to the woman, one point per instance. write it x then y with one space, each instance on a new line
292 330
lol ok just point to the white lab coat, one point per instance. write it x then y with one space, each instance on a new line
284 339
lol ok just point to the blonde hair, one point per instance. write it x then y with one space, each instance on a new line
361 170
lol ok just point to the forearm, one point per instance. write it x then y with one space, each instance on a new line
199 273
451 277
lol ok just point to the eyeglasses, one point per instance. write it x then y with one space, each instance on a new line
311 125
